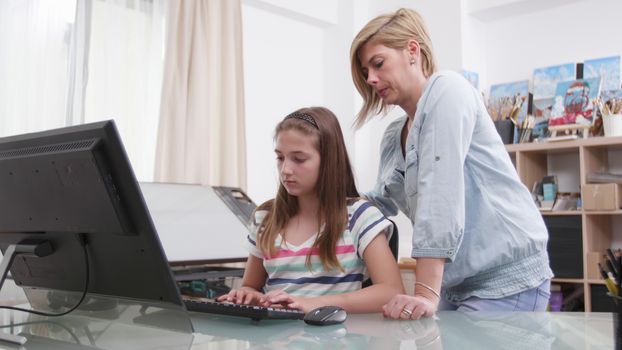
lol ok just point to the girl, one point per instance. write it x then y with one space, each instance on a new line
316 242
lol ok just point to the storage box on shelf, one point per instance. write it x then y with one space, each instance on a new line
572 162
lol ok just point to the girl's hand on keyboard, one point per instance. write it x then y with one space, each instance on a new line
278 298
282 299
242 296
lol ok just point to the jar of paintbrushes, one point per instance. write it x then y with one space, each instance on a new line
504 112
611 112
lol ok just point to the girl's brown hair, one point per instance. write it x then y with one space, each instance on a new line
334 186
392 30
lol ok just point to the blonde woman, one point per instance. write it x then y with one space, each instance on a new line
479 240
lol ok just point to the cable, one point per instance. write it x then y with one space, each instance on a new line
83 242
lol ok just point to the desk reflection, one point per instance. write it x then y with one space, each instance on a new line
489 330
119 325
367 331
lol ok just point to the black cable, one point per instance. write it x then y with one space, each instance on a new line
84 243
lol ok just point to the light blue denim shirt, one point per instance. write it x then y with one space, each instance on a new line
459 188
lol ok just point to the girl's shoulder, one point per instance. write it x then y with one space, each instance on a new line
259 216
359 205
260 213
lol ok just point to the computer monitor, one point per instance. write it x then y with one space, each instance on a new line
63 184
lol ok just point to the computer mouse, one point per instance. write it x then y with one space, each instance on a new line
326 315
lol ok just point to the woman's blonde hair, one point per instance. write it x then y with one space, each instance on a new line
335 184
393 30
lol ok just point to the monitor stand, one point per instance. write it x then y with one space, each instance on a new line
33 247
12 338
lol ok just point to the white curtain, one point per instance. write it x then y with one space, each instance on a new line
125 67
35 58
201 136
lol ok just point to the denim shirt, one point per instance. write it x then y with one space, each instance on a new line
459 188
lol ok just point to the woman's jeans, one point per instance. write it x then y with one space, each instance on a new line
535 299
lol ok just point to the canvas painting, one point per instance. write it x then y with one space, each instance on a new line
544 87
574 102
501 101
472 77
610 94
541 110
545 79
607 68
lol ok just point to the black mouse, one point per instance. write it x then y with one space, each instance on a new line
326 315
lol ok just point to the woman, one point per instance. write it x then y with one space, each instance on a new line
479 240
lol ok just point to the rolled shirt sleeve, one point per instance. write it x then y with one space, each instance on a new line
436 150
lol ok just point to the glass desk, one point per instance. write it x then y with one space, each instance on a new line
136 326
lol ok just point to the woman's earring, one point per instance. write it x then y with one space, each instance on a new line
412 61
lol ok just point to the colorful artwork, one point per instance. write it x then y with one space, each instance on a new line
607 68
541 110
545 79
472 77
502 98
610 94
574 102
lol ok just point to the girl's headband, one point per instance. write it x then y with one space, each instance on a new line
303 116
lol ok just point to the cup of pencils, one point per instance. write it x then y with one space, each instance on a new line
612 275
612 116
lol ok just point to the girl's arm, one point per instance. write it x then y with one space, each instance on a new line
252 283
385 276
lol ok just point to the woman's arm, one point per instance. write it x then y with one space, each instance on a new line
424 303
385 276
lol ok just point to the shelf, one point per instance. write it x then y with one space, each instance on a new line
579 212
574 233
560 212
603 212
596 281
561 146
568 280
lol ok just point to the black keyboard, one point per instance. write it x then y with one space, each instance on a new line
250 311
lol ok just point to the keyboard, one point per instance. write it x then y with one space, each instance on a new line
250 311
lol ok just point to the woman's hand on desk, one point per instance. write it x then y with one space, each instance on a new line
244 295
406 307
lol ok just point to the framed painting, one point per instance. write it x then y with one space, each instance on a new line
472 77
607 69
574 102
502 100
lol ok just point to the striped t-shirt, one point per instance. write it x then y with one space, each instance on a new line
287 269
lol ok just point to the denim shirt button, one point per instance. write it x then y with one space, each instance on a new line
450 252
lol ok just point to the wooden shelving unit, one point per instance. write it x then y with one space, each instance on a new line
600 229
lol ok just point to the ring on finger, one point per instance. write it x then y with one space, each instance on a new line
407 312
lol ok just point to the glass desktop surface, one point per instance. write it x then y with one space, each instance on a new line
133 327
447 330
99 323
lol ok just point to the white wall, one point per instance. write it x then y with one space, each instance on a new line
569 32
293 57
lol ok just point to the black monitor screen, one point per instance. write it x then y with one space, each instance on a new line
58 184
